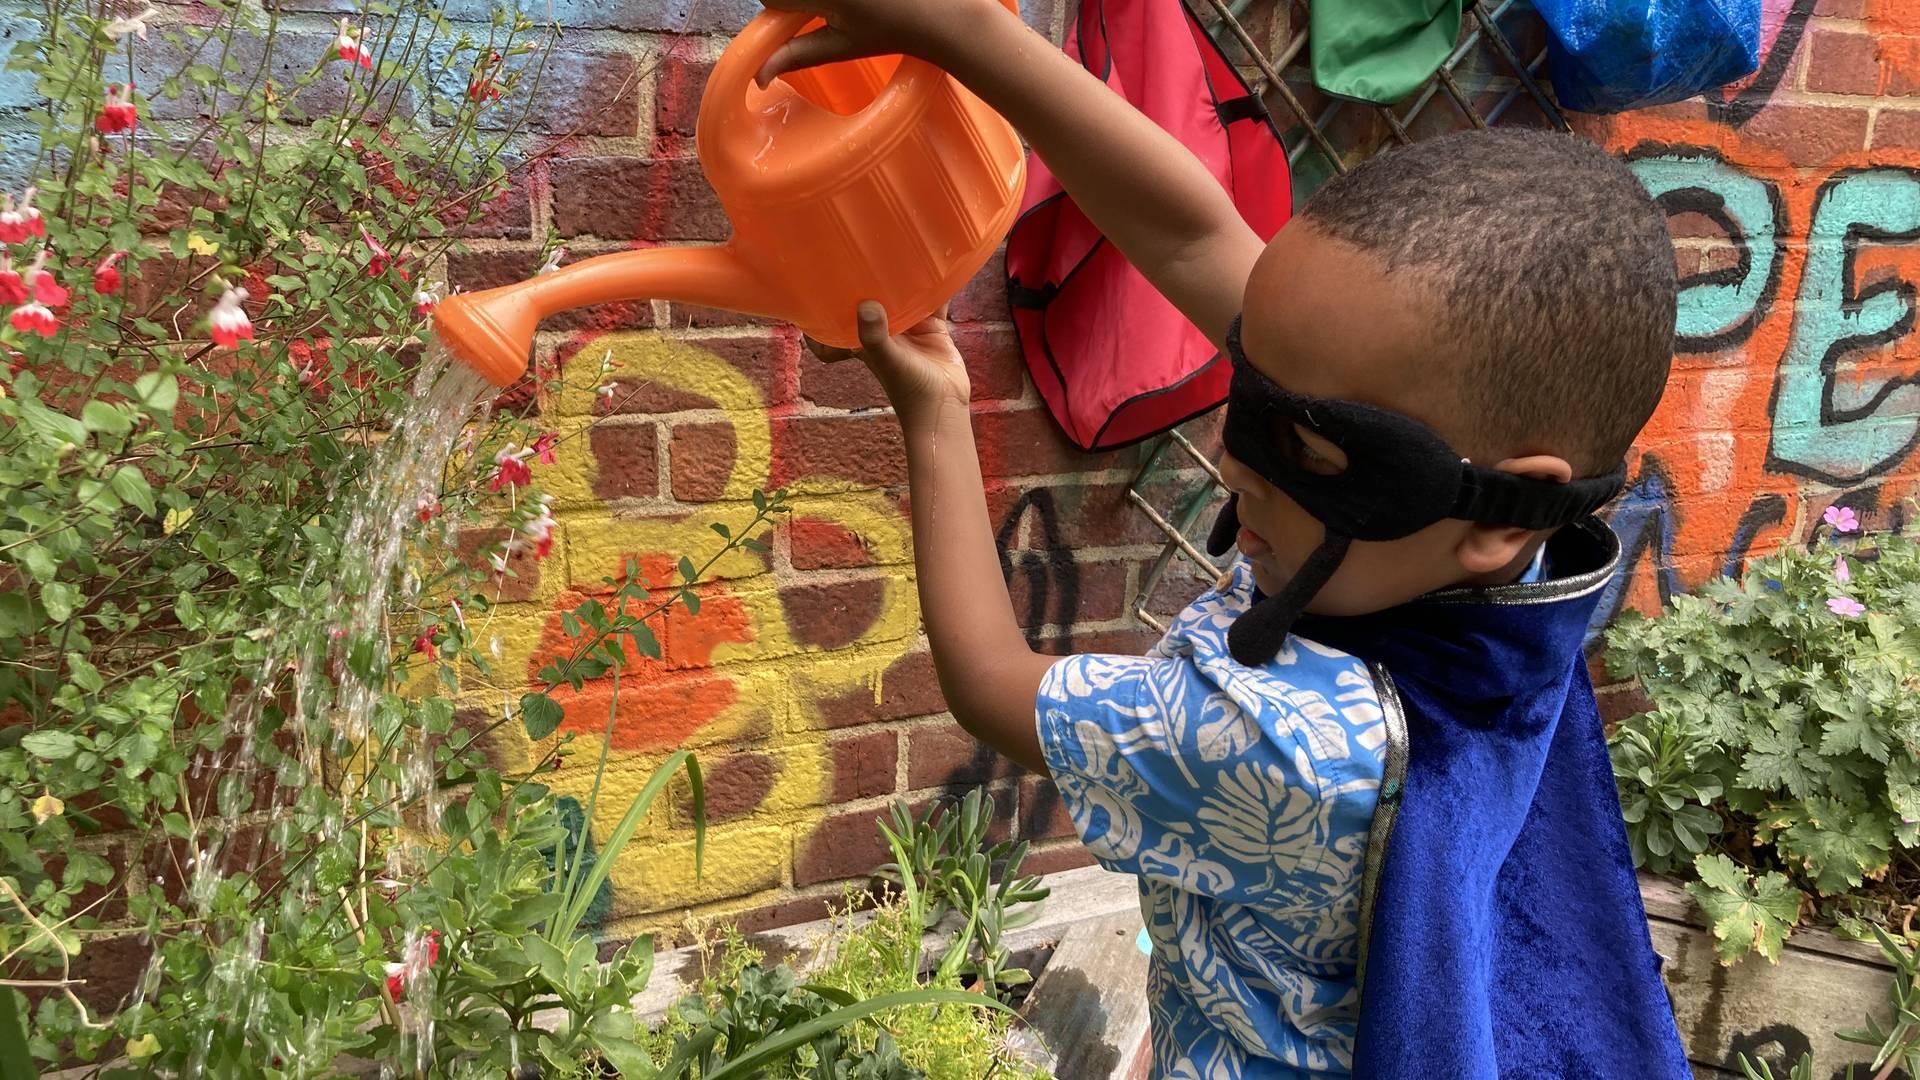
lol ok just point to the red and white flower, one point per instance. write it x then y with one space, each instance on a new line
13 288
379 258
40 281
424 643
485 87
553 261
511 469
426 508
228 320
459 615
540 529
543 448
425 299
352 47
106 276
19 223
118 114
35 318
132 24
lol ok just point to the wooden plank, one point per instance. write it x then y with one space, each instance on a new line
1090 1004
1667 900
1777 1011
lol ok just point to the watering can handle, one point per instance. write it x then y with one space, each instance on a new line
760 39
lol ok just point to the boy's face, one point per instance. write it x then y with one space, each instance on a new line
1324 318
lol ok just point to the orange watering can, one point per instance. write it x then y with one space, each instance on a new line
876 179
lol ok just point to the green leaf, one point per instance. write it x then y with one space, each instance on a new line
157 391
1745 916
687 572
746 1061
50 745
131 485
582 896
56 429
100 416
59 598
725 533
541 715
643 640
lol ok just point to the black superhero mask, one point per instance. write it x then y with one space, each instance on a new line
1400 477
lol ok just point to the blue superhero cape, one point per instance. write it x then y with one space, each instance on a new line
1503 932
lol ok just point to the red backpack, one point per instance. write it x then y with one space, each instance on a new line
1114 360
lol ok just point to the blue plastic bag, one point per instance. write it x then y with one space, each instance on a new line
1613 55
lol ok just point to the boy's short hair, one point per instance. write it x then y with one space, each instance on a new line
1556 276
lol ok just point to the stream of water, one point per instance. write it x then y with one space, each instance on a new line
316 669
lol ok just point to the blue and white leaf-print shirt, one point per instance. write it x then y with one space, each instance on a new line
1242 798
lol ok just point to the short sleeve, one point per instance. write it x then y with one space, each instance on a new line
1166 776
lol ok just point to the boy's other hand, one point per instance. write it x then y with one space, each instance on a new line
918 368
857 28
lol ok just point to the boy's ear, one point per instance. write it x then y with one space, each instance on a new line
1487 549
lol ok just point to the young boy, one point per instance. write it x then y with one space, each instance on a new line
1370 758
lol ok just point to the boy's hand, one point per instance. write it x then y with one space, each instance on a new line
856 28
919 369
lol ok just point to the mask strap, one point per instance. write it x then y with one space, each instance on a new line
1256 636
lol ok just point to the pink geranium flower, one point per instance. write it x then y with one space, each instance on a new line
1841 519
1842 572
1846 607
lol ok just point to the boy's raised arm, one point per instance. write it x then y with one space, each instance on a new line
1143 190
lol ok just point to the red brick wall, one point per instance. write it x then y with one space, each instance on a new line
804 681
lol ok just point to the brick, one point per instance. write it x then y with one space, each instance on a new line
1841 9
508 215
758 357
842 846
736 785
627 460
635 199
579 93
909 687
676 100
984 299
801 909
838 451
1055 859
1622 703
994 367
1132 642
1810 135
701 459
476 270
825 545
676 16
831 616
1054 587
695 317
843 384
1842 62
522 580
1043 813
864 766
1026 442
738 862
1896 130
1180 584
1899 66
944 755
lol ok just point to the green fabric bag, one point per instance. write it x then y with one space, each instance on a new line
1380 50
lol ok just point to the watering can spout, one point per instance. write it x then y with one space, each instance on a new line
492 331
